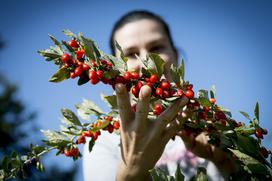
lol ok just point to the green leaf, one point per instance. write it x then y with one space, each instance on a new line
201 174
204 102
61 75
178 175
68 47
5 163
91 144
69 33
56 42
181 70
212 91
245 115
88 108
111 101
203 93
256 111
158 175
89 48
49 54
55 138
174 74
159 63
82 80
252 164
119 48
110 74
70 117
117 62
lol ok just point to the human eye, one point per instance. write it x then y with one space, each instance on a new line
157 49
131 54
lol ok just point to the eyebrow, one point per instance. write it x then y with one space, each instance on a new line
157 41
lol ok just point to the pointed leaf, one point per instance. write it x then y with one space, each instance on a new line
174 74
181 70
70 117
256 111
178 175
201 174
245 115
91 144
56 42
69 33
159 63
111 101
119 48
82 80
212 91
62 74
204 102
89 108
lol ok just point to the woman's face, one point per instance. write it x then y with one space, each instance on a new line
142 37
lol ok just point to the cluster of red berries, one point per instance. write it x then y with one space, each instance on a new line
72 152
259 132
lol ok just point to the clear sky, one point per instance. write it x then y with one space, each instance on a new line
225 43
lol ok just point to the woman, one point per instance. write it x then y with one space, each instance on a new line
143 142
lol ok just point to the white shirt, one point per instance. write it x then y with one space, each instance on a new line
101 164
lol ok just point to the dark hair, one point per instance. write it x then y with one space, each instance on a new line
139 15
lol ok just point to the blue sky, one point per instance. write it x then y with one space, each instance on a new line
225 43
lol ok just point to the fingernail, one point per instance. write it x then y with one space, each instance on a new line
119 88
144 92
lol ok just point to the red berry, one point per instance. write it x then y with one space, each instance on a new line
206 109
159 92
166 94
202 115
104 62
189 87
165 85
80 140
127 76
139 84
258 134
135 91
65 57
93 63
75 152
79 54
108 118
119 79
67 153
87 133
220 115
180 92
85 66
78 70
100 74
95 136
212 100
149 84
110 128
92 74
109 64
239 124
153 78
135 75
94 80
190 94
73 44
157 109
72 75
116 124
223 122
264 131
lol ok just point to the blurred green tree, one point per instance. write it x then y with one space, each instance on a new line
17 126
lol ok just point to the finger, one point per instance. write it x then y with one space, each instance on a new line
170 113
123 103
176 125
143 106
